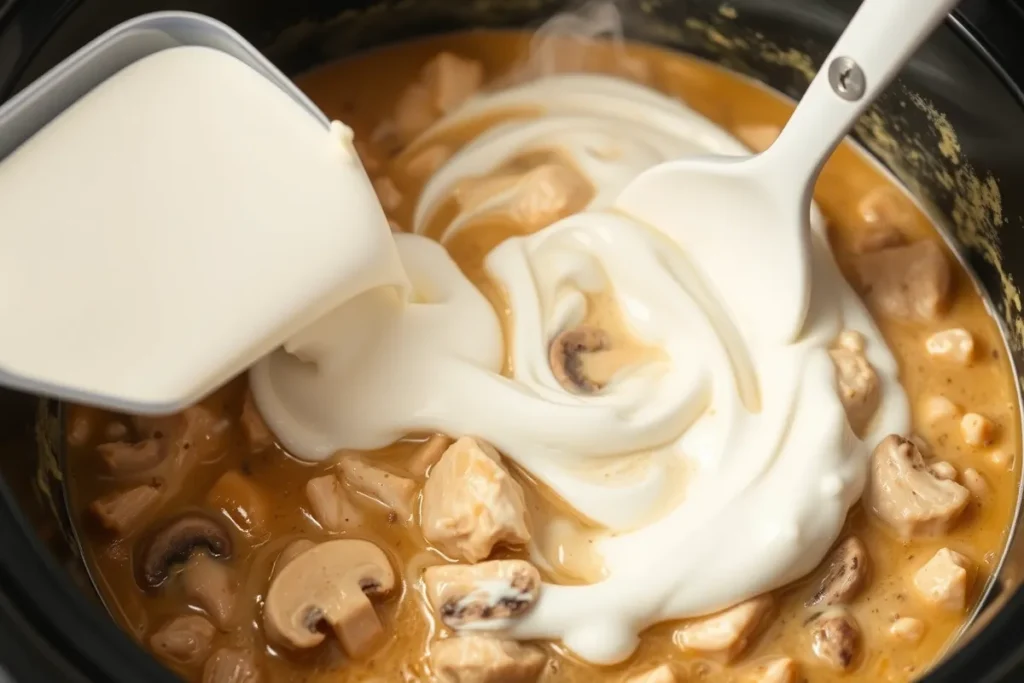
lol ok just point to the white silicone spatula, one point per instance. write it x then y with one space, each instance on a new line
747 220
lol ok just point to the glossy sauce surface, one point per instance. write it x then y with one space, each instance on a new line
363 92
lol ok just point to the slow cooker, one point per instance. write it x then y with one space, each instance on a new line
965 82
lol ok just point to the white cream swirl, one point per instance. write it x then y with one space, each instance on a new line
772 464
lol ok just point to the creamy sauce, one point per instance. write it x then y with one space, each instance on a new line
573 549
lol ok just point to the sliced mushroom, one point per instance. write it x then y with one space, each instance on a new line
848 568
480 659
175 543
911 282
835 638
123 512
184 640
229 665
333 584
290 552
858 387
662 674
331 505
471 503
124 459
565 356
728 633
391 490
427 455
500 589
210 584
906 494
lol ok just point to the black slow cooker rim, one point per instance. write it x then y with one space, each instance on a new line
51 631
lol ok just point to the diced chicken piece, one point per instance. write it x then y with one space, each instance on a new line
885 206
451 80
388 193
663 674
80 430
945 579
115 430
944 470
851 340
547 193
331 505
726 634
231 666
393 491
123 512
480 659
906 494
184 640
1001 459
422 164
781 670
414 112
858 387
908 629
936 409
124 459
908 283
242 500
471 503
975 482
836 639
210 584
257 433
500 589
758 137
427 455
876 238
977 430
955 345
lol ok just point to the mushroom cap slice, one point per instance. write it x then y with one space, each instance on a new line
835 638
564 356
489 591
331 583
848 568
906 494
175 543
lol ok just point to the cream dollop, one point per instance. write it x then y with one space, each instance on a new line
771 463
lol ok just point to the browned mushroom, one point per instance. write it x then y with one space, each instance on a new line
175 543
835 638
184 640
228 665
565 356
499 589
848 568
333 584
907 495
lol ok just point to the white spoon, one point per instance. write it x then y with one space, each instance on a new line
751 216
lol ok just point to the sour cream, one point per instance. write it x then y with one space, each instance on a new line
771 463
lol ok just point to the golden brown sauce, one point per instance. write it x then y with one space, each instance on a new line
362 91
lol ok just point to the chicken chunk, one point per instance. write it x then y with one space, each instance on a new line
123 459
257 433
210 584
908 629
911 282
945 579
184 640
242 501
471 503
938 408
422 163
231 666
480 659
726 634
124 512
955 345
331 505
977 430
662 674
858 387
495 590
414 112
903 491
452 80
396 493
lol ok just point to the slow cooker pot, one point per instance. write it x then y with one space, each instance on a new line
948 128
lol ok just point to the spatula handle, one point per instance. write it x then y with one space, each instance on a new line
880 38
